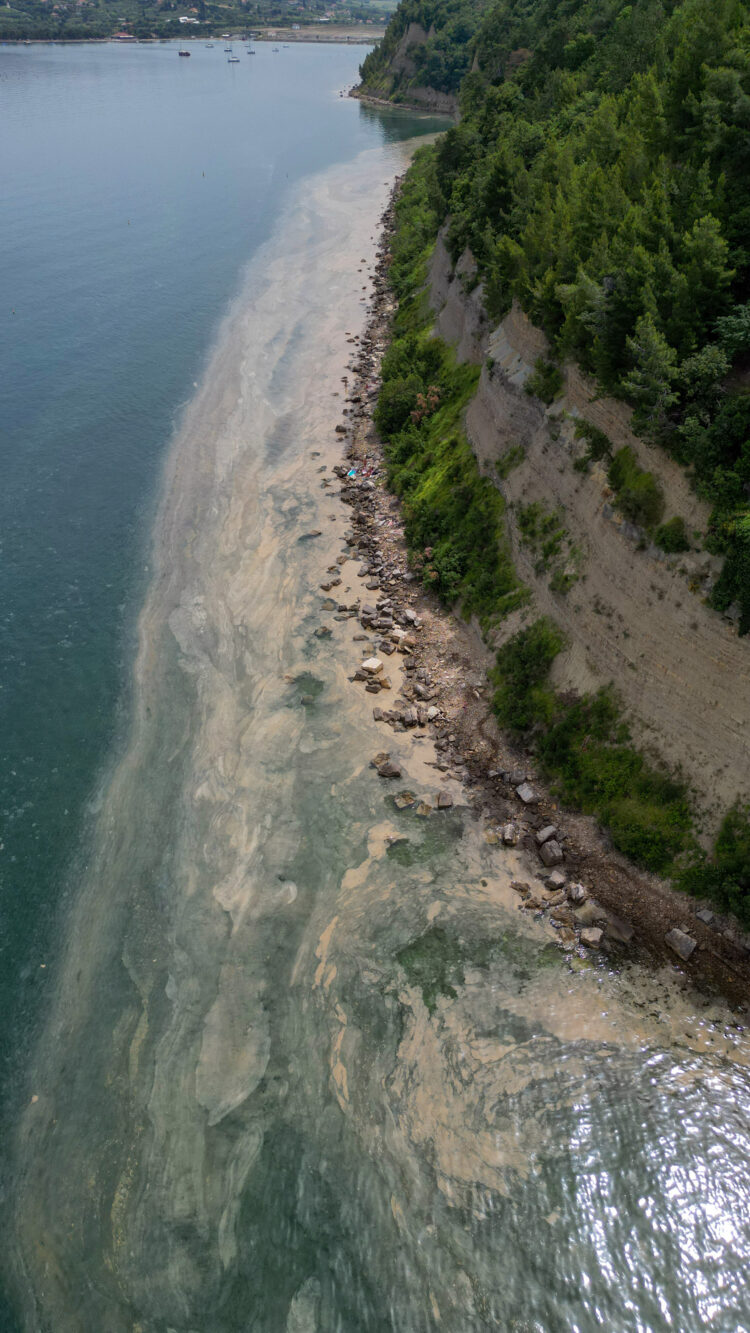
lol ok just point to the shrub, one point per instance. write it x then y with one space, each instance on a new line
639 495
523 665
396 402
672 536
545 381
725 876
598 445
505 465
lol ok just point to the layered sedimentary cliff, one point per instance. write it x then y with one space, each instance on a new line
633 615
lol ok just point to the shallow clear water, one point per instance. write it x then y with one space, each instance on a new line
240 1112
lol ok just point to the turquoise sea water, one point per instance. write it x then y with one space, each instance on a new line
135 187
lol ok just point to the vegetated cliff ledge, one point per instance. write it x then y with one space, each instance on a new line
398 83
420 63
632 614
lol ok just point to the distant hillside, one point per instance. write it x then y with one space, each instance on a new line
71 20
427 48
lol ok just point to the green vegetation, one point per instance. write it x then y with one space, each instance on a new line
543 532
454 518
598 445
545 381
440 61
599 175
725 875
672 536
638 494
584 746
510 460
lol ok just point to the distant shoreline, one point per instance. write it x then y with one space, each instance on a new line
338 35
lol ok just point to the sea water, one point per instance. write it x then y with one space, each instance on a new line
303 1065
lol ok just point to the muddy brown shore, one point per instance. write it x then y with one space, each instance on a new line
592 895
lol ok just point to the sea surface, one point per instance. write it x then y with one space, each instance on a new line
276 1055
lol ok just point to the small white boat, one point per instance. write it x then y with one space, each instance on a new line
233 60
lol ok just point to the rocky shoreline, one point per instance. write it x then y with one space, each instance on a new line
595 899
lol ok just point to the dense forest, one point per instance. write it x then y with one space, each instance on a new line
600 175
440 62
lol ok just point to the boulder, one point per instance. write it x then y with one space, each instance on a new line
591 936
681 943
390 770
545 834
705 916
510 835
577 893
371 666
444 800
619 930
525 792
557 879
551 853
404 800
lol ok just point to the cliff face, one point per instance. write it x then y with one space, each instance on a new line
397 78
633 615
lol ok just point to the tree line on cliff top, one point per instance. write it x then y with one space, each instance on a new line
600 174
